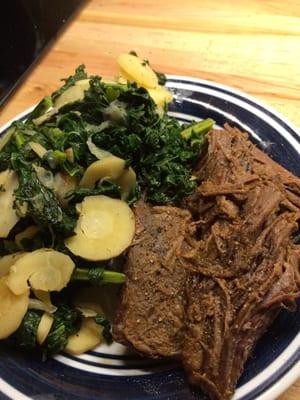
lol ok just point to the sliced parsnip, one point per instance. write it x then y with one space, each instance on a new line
9 218
126 182
12 309
160 95
74 93
44 269
39 150
105 228
44 328
5 138
63 183
138 70
88 337
45 298
45 117
7 261
87 312
109 168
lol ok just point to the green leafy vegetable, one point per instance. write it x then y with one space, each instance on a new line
25 336
79 75
67 321
101 320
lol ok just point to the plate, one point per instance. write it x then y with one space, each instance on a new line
114 373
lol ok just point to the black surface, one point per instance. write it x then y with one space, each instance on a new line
26 28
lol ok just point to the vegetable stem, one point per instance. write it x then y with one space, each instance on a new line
19 137
198 129
98 276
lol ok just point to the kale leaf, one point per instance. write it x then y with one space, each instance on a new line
25 336
67 322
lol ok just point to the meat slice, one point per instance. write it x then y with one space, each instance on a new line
151 314
245 268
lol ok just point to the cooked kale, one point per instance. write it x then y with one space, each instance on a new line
67 321
100 320
25 336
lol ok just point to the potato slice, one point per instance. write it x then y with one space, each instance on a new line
7 261
12 309
137 70
44 269
9 217
127 182
28 233
44 328
109 168
160 95
74 93
105 228
88 337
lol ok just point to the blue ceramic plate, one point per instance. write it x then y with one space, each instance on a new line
112 372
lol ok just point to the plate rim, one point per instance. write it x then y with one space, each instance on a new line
291 374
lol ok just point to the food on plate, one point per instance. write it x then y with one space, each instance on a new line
69 176
87 338
44 328
12 309
43 269
9 218
151 314
240 268
105 228
101 187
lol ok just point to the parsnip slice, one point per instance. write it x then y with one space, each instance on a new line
105 228
74 93
63 183
127 182
7 261
44 328
9 217
12 309
44 269
111 169
88 337
138 70
45 298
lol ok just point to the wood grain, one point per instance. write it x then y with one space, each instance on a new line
252 45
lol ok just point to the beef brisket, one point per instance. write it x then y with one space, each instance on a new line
246 266
151 314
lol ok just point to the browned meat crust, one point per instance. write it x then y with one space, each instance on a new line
151 314
246 267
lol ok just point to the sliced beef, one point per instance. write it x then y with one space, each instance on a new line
245 268
152 310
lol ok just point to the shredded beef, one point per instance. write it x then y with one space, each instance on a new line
245 268
206 289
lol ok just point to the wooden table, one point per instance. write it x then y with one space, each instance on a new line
250 45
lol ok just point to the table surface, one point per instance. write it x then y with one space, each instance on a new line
252 45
